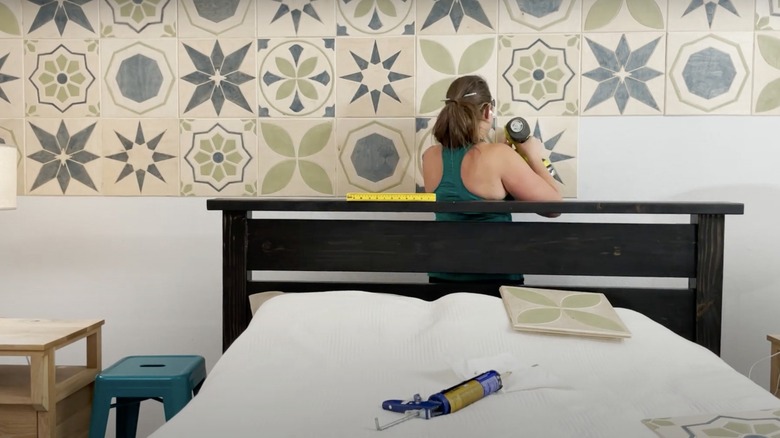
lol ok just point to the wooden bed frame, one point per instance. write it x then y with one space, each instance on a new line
396 237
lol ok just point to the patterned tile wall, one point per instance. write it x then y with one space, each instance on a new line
323 97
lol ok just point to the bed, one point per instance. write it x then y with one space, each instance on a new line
319 357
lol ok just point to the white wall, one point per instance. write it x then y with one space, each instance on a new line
151 266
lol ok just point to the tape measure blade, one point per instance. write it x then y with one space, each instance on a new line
402 197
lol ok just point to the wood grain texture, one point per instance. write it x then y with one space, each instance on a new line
235 305
709 280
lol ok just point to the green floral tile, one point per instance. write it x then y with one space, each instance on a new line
534 16
624 15
11 19
12 133
134 19
767 15
297 157
766 74
374 17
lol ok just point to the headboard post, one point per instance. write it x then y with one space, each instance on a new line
235 306
708 283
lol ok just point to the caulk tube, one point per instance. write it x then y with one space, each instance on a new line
467 392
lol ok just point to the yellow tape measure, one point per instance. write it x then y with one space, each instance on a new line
425 197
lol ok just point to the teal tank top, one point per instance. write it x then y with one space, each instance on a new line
451 188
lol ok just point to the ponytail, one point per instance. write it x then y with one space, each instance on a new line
457 124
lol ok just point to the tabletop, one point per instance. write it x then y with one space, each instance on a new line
42 334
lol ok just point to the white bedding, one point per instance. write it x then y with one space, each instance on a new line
320 364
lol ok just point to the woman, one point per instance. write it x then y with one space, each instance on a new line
465 166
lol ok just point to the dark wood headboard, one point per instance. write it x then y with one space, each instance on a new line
394 238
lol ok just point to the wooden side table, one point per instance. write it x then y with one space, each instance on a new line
43 400
774 370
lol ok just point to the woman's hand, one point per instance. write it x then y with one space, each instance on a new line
531 149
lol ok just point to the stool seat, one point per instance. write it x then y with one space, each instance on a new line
172 380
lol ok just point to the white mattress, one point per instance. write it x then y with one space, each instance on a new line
319 365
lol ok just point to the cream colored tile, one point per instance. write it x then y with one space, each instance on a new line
391 17
11 24
141 157
217 77
139 78
531 16
766 74
538 74
60 19
375 76
218 157
715 16
709 73
296 77
12 133
449 17
375 155
767 15
297 157
12 78
423 140
138 19
623 73
212 18
63 157
624 16
288 18
441 60
63 78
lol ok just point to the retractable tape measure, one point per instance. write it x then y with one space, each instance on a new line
359 196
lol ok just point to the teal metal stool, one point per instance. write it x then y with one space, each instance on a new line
171 380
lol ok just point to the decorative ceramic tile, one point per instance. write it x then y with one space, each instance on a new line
297 157
766 74
139 78
138 18
624 15
376 76
296 77
62 78
216 78
440 60
767 15
424 139
560 136
375 17
223 18
763 423
12 132
218 157
538 74
709 73
10 18
623 74
517 16
709 15
448 17
141 157
296 18
63 157
60 18
375 155
11 78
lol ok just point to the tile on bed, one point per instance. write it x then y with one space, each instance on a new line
763 423
12 133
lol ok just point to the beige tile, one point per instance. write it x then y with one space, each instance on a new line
358 18
11 78
441 17
296 77
715 16
212 18
139 78
766 74
63 157
63 78
423 140
141 157
11 25
218 157
624 16
289 18
217 77
709 73
375 155
538 74
441 60
12 133
132 19
623 73
767 15
58 19
375 76
533 16
297 157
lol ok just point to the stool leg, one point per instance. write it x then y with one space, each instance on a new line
101 405
127 416
176 399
